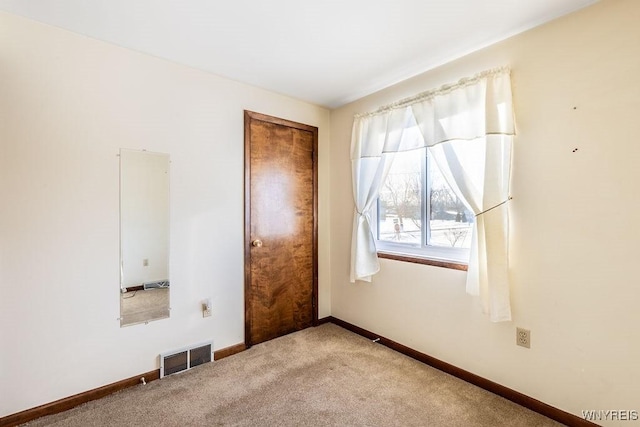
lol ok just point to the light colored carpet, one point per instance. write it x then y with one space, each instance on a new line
324 376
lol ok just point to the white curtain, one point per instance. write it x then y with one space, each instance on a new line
469 128
375 140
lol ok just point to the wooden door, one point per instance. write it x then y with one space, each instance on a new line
280 227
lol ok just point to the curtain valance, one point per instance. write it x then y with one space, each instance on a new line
469 109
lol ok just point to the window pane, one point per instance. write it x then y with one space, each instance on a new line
400 201
450 220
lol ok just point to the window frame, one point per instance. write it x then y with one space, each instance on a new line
440 256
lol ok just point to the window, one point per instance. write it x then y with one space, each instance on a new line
418 214
468 128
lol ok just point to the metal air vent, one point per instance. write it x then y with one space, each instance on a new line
185 358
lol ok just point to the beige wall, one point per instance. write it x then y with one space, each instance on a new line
67 105
574 224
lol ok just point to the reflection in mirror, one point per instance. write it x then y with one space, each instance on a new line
144 236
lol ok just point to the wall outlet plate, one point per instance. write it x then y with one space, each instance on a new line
206 308
523 337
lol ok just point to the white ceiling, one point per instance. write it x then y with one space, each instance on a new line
326 52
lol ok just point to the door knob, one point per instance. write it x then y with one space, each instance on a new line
257 243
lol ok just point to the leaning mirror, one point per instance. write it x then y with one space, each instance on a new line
144 236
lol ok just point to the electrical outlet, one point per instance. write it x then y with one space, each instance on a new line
523 337
206 308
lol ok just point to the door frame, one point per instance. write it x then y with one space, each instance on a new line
248 117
